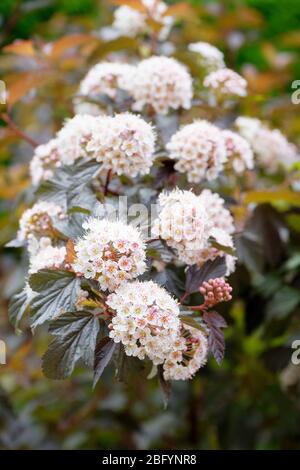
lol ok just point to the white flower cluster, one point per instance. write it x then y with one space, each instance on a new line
38 220
45 159
225 83
44 255
131 22
162 83
239 152
110 252
270 146
188 355
106 78
222 229
124 144
199 149
128 21
81 106
146 320
75 135
210 56
188 222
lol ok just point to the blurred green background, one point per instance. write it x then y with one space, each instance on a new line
253 400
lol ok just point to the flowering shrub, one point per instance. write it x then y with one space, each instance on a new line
145 284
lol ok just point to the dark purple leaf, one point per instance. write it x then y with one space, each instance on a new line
103 354
216 341
195 276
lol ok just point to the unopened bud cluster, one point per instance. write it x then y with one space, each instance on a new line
215 291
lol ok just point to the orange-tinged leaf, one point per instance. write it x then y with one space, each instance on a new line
280 195
25 82
59 47
20 47
135 4
13 180
180 10
71 254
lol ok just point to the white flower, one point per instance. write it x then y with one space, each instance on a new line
125 144
128 21
239 152
188 223
146 320
248 127
106 78
163 84
215 209
199 149
44 255
189 353
45 160
75 135
182 223
110 252
225 83
81 106
270 146
38 220
131 22
209 56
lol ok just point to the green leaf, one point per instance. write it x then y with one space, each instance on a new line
194 322
56 293
71 185
103 354
75 335
17 308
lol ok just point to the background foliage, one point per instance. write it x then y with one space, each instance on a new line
252 400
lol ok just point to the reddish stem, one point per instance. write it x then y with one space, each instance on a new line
6 118
108 180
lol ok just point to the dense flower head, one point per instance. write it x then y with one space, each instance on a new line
239 152
109 252
209 56
248 127
128 21
215 291
106 78
81 106
42 255
161 83
225 83
188 222
38 220
199 149
270 146
45 160
182 222
131 22
189 353
219 215
146 320
75 135
125 144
